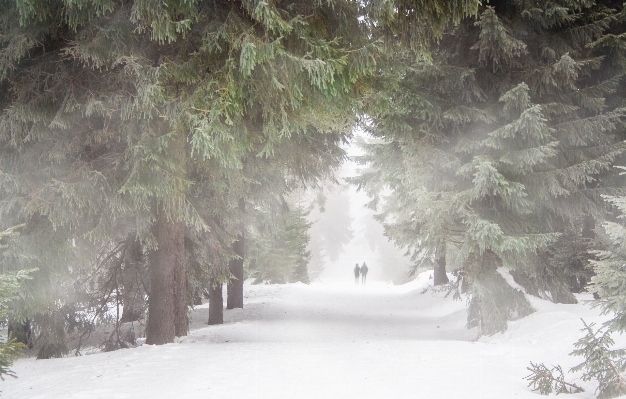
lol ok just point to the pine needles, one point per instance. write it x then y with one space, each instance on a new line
544 380
602 364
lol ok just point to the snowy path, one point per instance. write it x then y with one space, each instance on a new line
317 341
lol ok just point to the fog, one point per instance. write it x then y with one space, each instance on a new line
345 233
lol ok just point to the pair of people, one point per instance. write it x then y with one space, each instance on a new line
360 271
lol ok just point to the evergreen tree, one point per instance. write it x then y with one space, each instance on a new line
331 228
492 147
416 23
543 380
601 362
123 119
9 287
609 282
278 252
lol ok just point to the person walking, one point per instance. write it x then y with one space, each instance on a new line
357 271
363 272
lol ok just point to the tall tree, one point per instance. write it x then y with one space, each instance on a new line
610 273
126 118
492 145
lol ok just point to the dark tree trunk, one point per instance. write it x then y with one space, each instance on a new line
589 235
234 297
197 297
21 332
132 275
216 303
440 276
235 286
181 319
165 263
589 226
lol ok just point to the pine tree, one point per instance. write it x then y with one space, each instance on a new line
9 287
601 362
609 282
416 23
123 119
331 228
278 252
492 147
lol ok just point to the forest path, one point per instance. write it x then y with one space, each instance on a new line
298 341
338 313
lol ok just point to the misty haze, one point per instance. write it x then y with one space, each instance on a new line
312 199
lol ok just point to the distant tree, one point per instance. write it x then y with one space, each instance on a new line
234 297
278 252
331 225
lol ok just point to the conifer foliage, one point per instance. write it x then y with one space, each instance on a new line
137 119
609 282
10 285
542 379
278 253
602 363
501 143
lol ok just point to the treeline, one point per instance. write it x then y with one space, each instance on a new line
151 151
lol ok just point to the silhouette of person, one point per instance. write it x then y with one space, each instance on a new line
357 271
363 272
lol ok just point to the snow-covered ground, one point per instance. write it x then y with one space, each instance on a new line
325 341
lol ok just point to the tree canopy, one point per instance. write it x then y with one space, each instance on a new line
145 146
499 145
154 120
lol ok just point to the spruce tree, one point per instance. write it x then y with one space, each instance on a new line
278 252
10 285
601 363
609 282
493 145
123 119
331 228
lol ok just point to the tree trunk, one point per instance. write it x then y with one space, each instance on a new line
132 290
181 319
578 283
216 303
589 226
235 286
440 276
167 310
234 297
165 263
22 332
